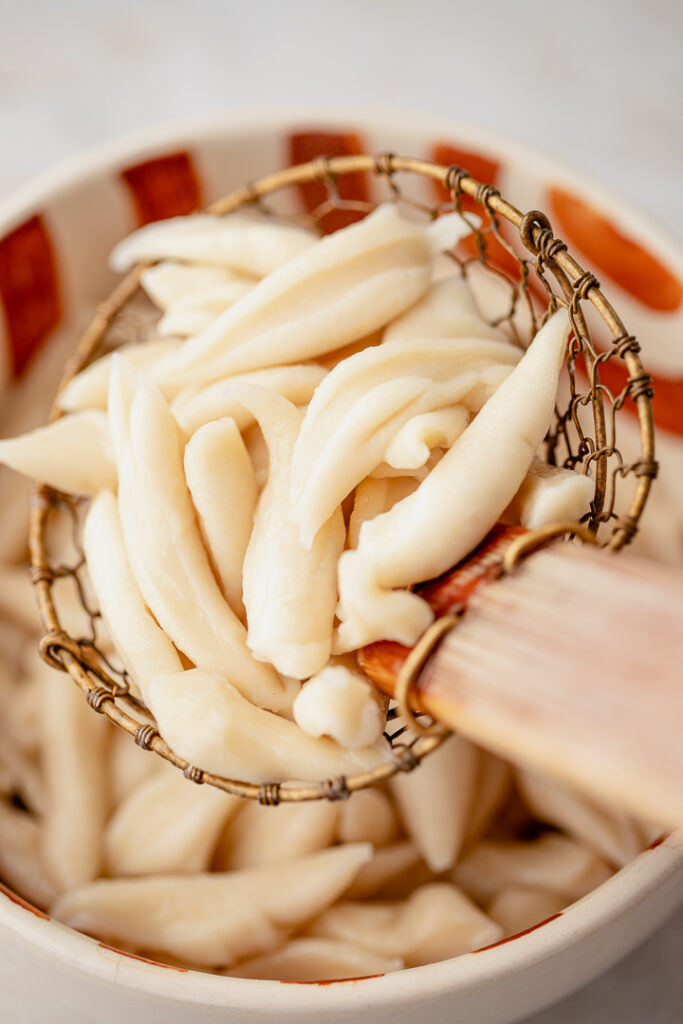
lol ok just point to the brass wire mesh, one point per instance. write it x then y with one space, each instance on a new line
520 252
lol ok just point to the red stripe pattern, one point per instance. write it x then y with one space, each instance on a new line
487 171
166 187
640 274
624 261
29 290
483 168
305 146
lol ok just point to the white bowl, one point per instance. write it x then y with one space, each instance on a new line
54 240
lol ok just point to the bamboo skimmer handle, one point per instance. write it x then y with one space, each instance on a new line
571 664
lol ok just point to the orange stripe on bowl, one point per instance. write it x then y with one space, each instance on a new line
519 935
142 959
626 262
486 170
483 168
333 981
667 404
29 290
166 187
13 898
304 146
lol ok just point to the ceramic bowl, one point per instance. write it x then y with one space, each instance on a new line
54 239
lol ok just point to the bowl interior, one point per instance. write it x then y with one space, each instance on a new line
54 243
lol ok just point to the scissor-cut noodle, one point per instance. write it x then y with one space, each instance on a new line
550 862
494 454
434 803
22 863
369 611
268 835
168 559
129 766
550 494
74 752
389 864
168 283
89 389
446 310
342 704
208 723
144 648
166 827
612 834
331 359
213 919
436 922
280 575
195 313
368 817
222 484
72 454
258 453
476 480
373 496
411 447
249 244
520 907
316 960
493 788
196 405
344 287
360 406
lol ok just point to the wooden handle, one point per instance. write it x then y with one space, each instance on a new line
573 666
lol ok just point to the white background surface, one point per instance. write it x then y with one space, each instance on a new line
598 83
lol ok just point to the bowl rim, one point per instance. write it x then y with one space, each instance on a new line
146 144
89 957
645 874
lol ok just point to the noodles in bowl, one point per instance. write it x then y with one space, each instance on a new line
238 465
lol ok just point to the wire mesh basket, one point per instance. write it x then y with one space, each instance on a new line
603 389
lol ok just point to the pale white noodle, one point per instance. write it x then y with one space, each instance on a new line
316 960
195 313
72 454
89 389
213 918
436 922
476 480
340 703
368 816
168 559
446 310
74 761
342 288
435 802
280 575
223 487
268 835
168 282
144 648
207 722
551 862
243 242
166 827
